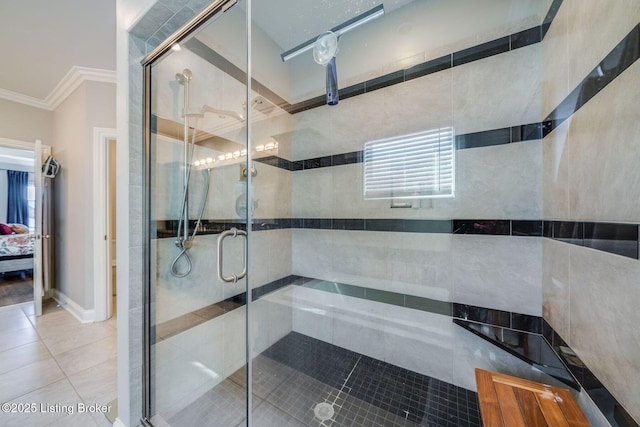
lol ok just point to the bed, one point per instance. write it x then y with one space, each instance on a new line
16 252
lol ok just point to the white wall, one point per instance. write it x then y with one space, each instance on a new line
23 123
91 105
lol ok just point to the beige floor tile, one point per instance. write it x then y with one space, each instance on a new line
87 356
28 309
101 420
81 335
13 339
24 355
29 378
54 323
13 320
13 323
84 419
97 384
59 393
55 359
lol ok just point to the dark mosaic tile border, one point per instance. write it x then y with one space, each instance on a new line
616 238
506 227
604 400
551 15
516 321
169 328
510 135
615 63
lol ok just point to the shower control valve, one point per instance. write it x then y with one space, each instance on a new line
254 172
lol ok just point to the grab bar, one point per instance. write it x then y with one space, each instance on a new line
235 233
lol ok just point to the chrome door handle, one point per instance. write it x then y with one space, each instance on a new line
235 233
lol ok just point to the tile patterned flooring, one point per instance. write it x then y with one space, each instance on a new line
298 372
55 359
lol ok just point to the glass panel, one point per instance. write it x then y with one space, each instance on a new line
354 296
198 194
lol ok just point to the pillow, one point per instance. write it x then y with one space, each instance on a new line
19 228
5 229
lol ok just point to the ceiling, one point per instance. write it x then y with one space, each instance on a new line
41 40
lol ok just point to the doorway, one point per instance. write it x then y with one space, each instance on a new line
104 202
21 193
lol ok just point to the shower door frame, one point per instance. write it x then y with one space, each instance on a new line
207 15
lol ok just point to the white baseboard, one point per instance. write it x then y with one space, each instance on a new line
118 423
84 316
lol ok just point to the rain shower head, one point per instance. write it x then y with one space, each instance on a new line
263 105
222 113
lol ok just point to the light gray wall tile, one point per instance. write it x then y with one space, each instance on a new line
498 272
556 282
594 29
155 17
604 181
555 180
499 91
604 318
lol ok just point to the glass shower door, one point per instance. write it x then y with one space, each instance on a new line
197 230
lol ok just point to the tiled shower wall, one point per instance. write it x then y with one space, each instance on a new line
493 183
497 182
591 174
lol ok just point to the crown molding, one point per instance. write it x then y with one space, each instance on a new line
73 79
24 99
70 82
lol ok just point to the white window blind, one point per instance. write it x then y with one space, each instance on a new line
411 166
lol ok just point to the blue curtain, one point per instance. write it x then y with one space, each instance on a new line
17 203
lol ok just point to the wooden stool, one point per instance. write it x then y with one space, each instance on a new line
507 401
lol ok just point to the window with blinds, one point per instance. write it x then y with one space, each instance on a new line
419 165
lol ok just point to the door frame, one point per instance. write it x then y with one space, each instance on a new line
102 233
36 147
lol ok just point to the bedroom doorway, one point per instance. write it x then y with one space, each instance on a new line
21 237
104 202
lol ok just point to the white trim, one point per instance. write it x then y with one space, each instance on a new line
14 143
101 246
70 82
118 423
73 79
84 316
38 278
24 99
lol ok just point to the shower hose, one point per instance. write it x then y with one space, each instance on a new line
185 243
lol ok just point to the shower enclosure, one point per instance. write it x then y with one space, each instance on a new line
326 260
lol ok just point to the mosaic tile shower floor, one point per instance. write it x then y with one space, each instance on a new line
297 373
